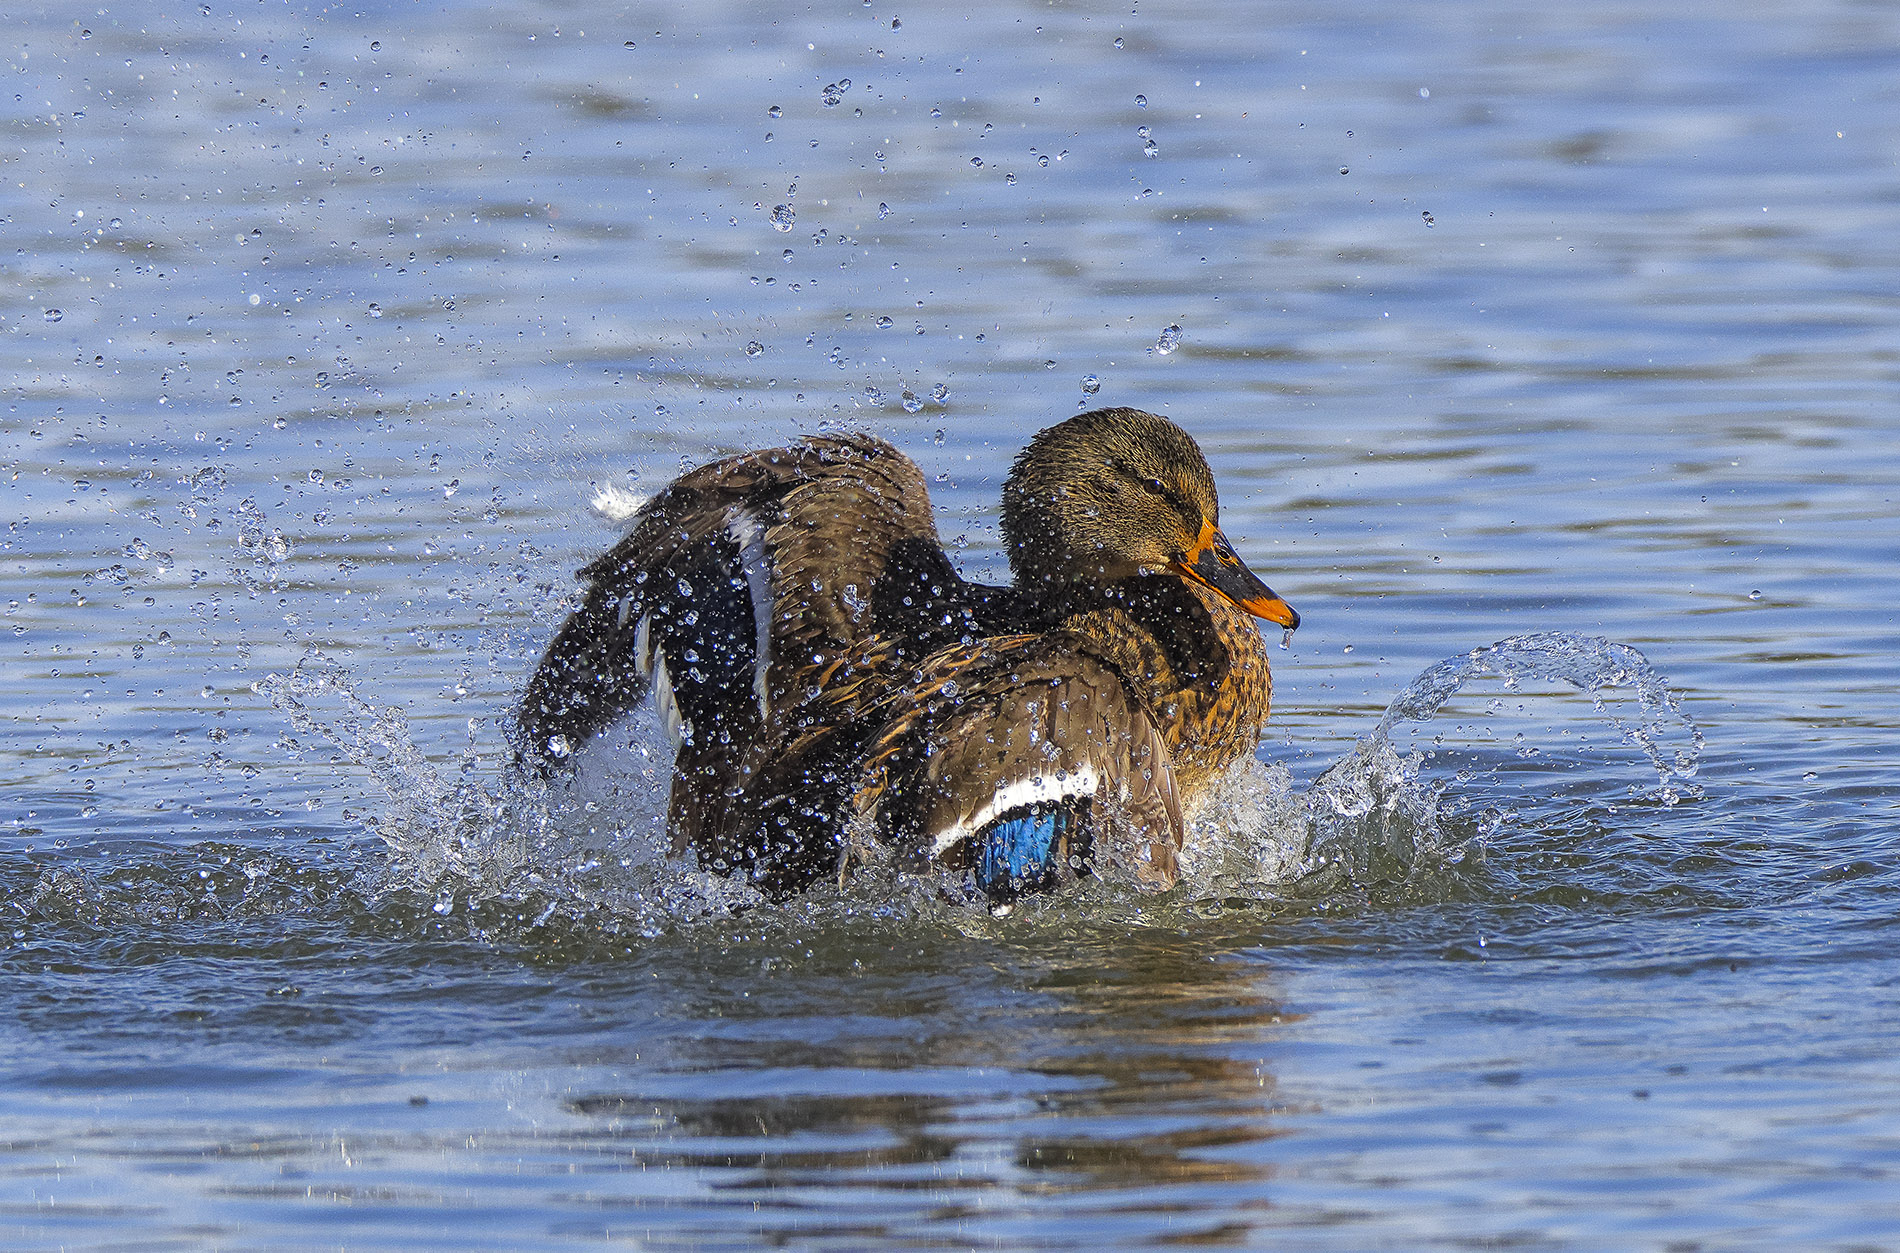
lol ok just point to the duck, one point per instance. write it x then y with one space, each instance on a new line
836 693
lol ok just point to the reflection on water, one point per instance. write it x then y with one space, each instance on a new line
1113 1073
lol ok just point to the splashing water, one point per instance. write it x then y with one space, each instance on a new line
1369 818
594 853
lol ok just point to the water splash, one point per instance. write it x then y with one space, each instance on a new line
592 855
1370 818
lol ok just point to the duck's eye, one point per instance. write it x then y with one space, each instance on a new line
1156 486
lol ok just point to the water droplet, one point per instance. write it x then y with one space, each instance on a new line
1118 41
1141 102
940 393
375 45
755 349
661 411
1424 93
909 400
451 487
1346 649
1170 339
783 217
1090 384
1042 159
883 211
375 310
1430 220
897 23
775 111
884 324
1809 777
976 161
1344 170
833 93
872 396
1755 595
54 315
1286 638
116 223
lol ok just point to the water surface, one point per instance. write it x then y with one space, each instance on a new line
323 324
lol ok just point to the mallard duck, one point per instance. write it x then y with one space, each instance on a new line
826 673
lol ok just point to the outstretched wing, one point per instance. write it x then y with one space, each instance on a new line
737 579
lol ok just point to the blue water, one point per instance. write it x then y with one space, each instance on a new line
322 326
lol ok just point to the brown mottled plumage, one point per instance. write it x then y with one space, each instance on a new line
825 665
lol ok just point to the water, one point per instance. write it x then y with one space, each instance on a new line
322 328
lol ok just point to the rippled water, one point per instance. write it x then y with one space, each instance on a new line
1496 321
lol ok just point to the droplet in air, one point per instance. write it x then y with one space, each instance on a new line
661 411
775 111
783 217
1170 339
1286 638
884 324
872 396
375 310
833 94
1090 384
897 23
1141 102
940 393
883 211
1344 170
1755 595
54 315
754 349
1430 220
977 161
910 402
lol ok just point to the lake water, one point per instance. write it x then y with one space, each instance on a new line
322 324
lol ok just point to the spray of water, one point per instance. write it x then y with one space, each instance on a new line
1371 818
595 852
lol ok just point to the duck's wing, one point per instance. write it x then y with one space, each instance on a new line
734 583
1013 756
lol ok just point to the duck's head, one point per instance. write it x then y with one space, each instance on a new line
1118 492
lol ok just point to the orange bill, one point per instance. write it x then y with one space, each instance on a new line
1213 564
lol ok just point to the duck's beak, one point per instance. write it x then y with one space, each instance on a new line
1213 564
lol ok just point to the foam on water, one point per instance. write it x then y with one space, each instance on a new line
594 851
